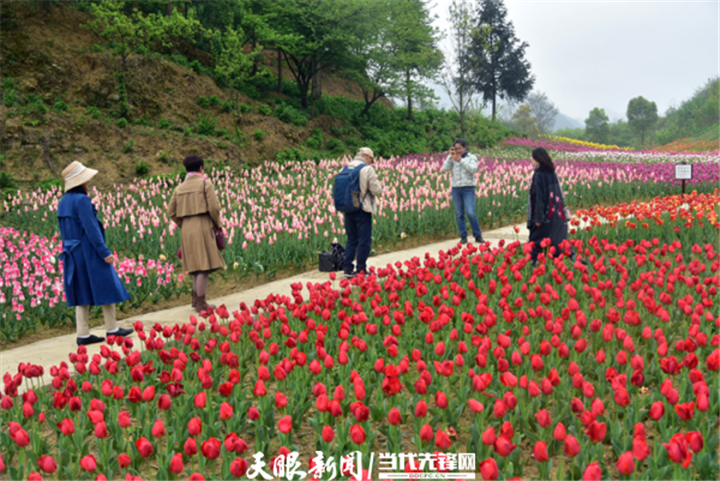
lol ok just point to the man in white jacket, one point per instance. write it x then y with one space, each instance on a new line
358 225
463 166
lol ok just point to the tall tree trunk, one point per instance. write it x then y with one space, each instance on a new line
169 9
493 110
316 86
409 95
304 87
279 71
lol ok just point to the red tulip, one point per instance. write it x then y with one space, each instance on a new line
426 433
685 411
657 410
190 447
35 476
123 419
559 433
695 441
176 464
540 452
285 424
226 411
158 429
626 463
499 409
596 431
88 463
503 446
195 426
441 400
66 426
421 409
164 402
489 469
200 400
592 472
101 431
253 413
196 477
476 406
2 465
328 434
640 448
211 448
47 464
394 417
571 447
144 447
357 433
124 460
239 467
543 418
488 437
442 440
622 398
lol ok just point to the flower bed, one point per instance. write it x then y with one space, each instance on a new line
278 218
562 371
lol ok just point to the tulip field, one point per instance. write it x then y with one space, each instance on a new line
281 216
602 369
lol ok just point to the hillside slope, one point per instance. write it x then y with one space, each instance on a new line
59 95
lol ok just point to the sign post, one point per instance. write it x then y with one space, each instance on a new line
683 172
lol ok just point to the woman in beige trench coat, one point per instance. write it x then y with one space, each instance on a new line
194 207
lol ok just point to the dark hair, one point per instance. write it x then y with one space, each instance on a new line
80 189
193 163
462 142
541 156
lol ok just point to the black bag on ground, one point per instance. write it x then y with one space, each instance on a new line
332 261
325 262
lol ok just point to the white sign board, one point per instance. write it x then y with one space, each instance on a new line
683 171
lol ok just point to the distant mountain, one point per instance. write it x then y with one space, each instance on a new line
562 121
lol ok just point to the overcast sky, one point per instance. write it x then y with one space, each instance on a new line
587 54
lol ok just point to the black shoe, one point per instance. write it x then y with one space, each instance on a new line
479 240
120 332
349 275
92 339
463 240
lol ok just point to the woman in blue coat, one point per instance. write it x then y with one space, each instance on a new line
89 274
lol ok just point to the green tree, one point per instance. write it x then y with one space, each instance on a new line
318 35
524 119
455 76
418 56
130 32
642 116
597 128
497 58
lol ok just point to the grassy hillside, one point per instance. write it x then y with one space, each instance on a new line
60 103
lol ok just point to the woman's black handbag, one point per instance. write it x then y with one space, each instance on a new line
332 261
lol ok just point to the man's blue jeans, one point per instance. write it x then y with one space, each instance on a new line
358 227
464 200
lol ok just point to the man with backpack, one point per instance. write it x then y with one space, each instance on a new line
354 193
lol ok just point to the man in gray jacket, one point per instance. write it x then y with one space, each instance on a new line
358 225
463 166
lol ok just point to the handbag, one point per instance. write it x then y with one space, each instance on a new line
218 234
332 261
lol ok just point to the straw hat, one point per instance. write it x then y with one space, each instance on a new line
77 174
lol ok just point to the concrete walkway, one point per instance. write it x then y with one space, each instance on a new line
51 352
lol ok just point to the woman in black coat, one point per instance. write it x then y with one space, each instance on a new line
547 215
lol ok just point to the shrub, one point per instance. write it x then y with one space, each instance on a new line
129 146
205 125
34 105
316 141
141 167
206 102
164 123
335 146
164 157
290 115
264 109
245 108
226 106
223 133
48 184
259 135
60 105
290 154
7 181
122 122
93 112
